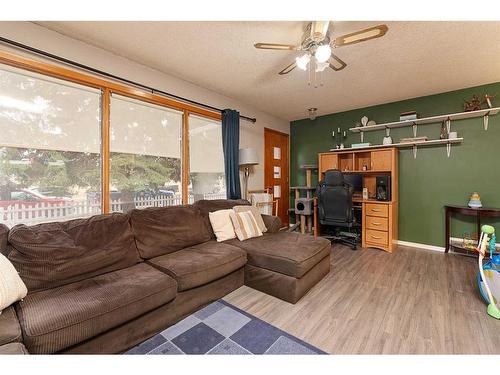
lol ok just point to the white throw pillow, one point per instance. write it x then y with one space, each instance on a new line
222 225
12 288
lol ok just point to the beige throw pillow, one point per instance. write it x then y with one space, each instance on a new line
245 225
222 225
256 214
12 288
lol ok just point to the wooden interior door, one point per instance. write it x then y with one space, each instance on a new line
276 169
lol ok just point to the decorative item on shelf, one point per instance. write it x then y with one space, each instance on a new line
452 135
468 241
407 116
364 120
339 135
371 123
361 145
365 167
443 134
475 201
365 193
413 139
358 125
387 140
476 103
472 105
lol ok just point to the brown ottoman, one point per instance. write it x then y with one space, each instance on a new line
285 265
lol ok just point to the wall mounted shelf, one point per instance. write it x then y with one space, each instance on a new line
446 119
430 120
433 142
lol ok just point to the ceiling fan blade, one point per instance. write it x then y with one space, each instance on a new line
319 30
283 47
336 63
362 35
288 69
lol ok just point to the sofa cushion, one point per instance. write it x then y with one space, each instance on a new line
14 348
4 233
291 254
200 264
211 205
163 230
54 254
56 319
10 330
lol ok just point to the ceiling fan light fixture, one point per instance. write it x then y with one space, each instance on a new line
312 113
302 61
321 66
323 53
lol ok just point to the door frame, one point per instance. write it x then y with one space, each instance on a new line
287 183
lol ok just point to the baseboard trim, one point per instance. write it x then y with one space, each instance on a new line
421 246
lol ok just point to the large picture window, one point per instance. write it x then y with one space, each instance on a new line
50 142
74 145
145 155
206 159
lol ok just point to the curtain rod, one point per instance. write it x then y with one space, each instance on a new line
109 75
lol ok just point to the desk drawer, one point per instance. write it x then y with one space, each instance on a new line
379 210
377 237
377 223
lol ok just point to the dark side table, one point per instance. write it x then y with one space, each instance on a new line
467 211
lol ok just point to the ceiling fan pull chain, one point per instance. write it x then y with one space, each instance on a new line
309 75
315 79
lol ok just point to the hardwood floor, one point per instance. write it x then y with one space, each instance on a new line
372 302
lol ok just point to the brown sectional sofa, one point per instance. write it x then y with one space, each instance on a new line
106 283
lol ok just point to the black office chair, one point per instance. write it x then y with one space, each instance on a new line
335 209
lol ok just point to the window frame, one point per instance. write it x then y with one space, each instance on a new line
108 87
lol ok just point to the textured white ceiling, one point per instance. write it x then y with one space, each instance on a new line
412 59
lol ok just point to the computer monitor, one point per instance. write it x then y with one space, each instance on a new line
356 180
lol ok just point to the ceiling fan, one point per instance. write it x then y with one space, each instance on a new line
317 43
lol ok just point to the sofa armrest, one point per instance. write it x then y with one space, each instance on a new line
10 330
273 223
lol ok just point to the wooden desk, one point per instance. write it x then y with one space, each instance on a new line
467 211
379 218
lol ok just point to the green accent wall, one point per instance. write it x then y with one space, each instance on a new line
431 180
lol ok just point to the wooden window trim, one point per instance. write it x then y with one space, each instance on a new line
107 88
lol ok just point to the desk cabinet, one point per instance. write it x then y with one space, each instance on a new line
379 225
379 219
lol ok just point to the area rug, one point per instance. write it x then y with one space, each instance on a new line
221 328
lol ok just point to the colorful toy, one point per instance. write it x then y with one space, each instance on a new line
489 273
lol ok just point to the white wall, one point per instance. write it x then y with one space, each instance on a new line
252 135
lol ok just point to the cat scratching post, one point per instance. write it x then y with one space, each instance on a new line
304 211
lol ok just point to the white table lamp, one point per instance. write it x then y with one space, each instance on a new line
248 157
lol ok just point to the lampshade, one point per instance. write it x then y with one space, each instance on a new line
248 156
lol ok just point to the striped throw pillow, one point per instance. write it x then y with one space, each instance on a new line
245 225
